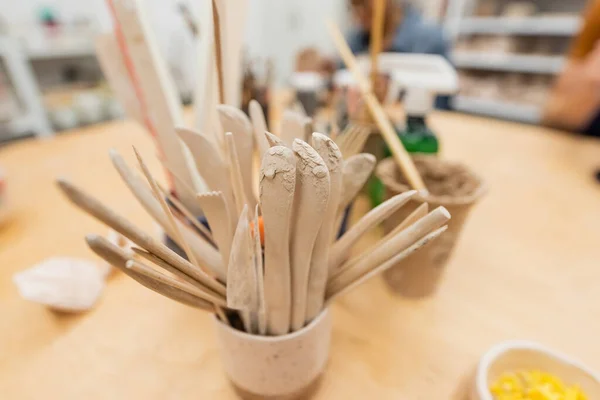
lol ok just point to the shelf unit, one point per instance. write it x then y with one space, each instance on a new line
554 20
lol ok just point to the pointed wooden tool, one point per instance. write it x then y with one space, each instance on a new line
294 126
310 200
259 125
235 173
235 121
260 286
274 140
342 247
319 264
99 211
221 224
356 171
277 187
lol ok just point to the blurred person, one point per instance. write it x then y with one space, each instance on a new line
574 103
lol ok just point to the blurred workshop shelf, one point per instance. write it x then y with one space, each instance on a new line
498 109
509 62
559 25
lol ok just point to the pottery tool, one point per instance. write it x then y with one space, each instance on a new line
258 265
235 121
352 140
333 292
202 250
381 119
218 31
294 126
403 240
235 172
342 247
376 45
118 258
277 187
242 290
211 166
259 125
96 209
310 199
274 140
221 224
160 105
355 173
330 153
235 17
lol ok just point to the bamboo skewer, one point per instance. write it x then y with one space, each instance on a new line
137 236
319 264
386 265
340 249
311 197
348 273
115 256
387 130
277 187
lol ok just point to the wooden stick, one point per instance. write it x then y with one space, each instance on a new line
218 51
202 249
221 224
277 187
235 121
376 38
383 123
399 243
341 248
167 211
118 258
355 173
260 127
274 140
294 126
260 286
319 264
235 173
312 195
99 211
386 265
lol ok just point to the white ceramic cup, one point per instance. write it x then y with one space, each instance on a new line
282 367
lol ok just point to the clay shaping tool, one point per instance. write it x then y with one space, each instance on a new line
319 262
241 274
277 187
341 248
258 265
387 250
221 224
259 125
235 121
310 201
294 126
104 214
383 123
202 250
274 140
211 166
115 256
235 173
386 265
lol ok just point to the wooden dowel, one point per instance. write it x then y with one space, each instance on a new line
218 51
376 44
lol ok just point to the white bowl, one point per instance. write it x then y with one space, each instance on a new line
522 355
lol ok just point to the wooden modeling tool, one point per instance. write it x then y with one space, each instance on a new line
99 211
117 257
376 44
353 139
235 173
259 125
342 247
202 250
274 140
221 224
277 187
160 103
403 240
386 265
242 290
319 263
310 200
211 166
294 126
355 173
217 11
114 69
234 22
381 119
260 285
235 121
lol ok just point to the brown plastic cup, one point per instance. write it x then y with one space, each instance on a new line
276 367
454 186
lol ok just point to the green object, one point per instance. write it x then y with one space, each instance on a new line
417 138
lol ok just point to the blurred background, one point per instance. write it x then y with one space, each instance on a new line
525 61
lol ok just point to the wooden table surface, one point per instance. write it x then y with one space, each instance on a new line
527 266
